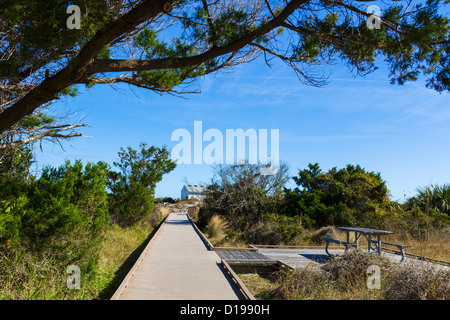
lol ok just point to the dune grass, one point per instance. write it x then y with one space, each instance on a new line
345 278
26 275
216 229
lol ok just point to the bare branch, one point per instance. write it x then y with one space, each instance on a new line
50 132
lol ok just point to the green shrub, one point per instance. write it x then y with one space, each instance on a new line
288 227
133 187
348 196
63 212
264 233
61 218
67 211
274 229
204 215
10 220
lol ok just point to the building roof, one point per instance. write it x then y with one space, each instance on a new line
197 189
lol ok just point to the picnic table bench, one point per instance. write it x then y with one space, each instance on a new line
346 244
400 246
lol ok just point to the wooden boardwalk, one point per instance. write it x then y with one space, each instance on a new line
177 265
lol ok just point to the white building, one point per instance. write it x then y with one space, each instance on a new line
192 191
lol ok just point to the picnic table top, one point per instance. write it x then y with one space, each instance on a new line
366 230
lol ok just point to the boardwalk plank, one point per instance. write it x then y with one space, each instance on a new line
241 255
178 266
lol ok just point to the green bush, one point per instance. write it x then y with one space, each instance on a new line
10 220
288 227
63 212
204 215
347 196
133 187
67 211
274 229
62 216
263 233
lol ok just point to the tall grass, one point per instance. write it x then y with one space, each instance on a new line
345 278
216 228
432 244
340 278
27 275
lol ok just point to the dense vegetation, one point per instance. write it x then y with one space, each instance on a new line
243 207
262 210
133 187
93 216
62 216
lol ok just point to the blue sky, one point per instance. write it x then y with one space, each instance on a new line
400 131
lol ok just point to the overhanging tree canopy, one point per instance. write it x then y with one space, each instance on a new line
122 42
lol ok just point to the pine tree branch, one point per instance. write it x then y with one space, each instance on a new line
50 132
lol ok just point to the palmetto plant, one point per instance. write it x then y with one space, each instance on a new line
436 198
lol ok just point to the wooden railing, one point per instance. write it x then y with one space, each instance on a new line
237 281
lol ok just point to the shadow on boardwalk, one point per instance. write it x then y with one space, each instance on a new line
178 222
319 258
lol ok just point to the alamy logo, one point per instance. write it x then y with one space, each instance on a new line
373 277
374 21
74 21
213 153
73 281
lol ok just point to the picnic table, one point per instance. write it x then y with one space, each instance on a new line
373 244
368 234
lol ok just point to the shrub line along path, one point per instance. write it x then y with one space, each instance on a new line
178 266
